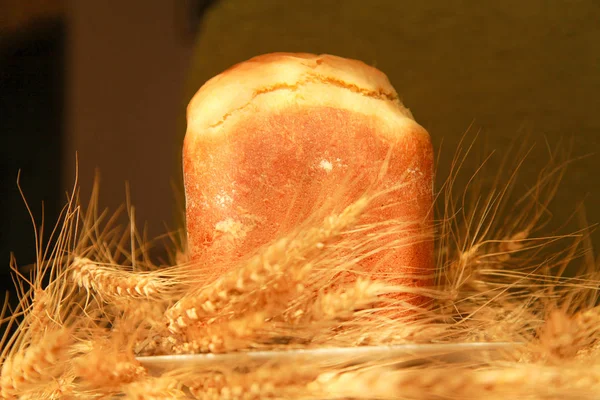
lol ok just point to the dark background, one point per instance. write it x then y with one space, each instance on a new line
110 80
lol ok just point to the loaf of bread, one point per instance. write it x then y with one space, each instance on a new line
270 140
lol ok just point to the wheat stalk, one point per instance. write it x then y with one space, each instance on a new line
291 295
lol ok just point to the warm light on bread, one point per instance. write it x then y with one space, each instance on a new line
271 139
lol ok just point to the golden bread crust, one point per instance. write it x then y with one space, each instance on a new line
279 79
270 140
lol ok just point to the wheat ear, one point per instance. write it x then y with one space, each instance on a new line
563 336
106 371
35 365
342 303
111 283
283 259
225 336
163 388
260 383
531 381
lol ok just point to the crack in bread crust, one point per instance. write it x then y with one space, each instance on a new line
374 94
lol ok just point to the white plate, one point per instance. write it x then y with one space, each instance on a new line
404 354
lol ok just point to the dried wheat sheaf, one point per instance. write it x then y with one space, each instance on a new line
95 302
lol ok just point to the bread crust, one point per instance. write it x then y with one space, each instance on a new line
277 79
270 139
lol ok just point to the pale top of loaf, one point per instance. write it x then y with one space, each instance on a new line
275 81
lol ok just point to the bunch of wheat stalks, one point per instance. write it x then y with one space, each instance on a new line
95 302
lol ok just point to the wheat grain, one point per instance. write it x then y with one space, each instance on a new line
163 388
512 244
564 336
222 337
59 389
260 383
532 382
111 283
35 365
205 385
38 319
286 258
342 303
107 370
